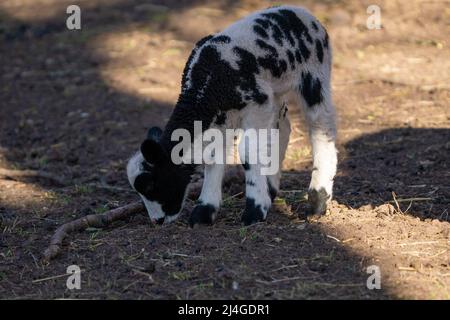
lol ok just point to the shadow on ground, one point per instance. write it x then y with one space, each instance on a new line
407 161
59 115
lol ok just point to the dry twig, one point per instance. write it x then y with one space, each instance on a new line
92 220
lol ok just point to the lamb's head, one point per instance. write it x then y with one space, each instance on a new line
161 184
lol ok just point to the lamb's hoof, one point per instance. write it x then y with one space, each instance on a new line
252 213
317 203
202 214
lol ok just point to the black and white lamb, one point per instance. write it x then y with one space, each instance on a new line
239 78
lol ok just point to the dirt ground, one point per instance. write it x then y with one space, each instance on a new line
77 104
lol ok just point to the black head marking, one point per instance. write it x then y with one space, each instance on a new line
153 152
144 183
146 166
165 184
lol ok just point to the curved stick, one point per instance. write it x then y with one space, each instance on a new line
104 219
92 220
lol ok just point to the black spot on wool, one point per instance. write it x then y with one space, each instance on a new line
270 61
191 57
319 50
285 111
305 52
214 86
311 89
267 47
263 22
325 40
286 25
222 38
277 35
298 56
275 66
221 118
315 26
260 31
291 58
282 24
291 26
266 25
248 67
297 25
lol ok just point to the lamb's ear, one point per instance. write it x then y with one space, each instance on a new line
144 183
154 133
152 151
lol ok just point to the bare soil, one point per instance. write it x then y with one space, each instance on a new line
78 103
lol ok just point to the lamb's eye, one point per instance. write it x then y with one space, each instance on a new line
146 166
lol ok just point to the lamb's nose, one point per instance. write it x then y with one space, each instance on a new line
159 220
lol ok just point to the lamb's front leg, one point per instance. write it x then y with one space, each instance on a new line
258 200
322 129
211 196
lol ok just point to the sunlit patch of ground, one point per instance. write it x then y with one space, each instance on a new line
413 255
42 10
78 104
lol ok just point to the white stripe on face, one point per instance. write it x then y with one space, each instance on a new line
154 209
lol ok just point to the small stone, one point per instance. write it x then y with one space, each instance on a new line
386 209
49 62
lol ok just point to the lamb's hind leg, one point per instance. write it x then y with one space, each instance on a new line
284 126
258 199
320 117
211 196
